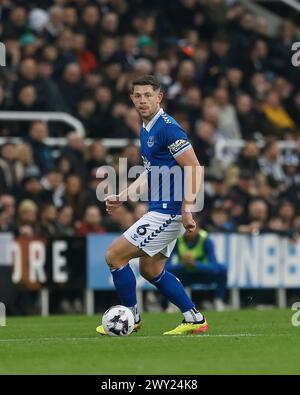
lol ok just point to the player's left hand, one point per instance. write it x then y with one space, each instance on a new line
112 202
188 221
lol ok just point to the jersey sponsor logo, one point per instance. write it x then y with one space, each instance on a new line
177 145
150 141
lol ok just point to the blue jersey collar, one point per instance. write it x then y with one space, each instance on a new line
153 120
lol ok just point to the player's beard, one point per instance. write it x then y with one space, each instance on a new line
148 118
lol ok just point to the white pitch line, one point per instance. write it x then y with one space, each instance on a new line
29 339
203 336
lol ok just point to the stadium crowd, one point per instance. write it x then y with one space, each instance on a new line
224 76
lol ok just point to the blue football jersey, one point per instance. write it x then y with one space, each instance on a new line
162 140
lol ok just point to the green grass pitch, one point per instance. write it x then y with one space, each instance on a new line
238 342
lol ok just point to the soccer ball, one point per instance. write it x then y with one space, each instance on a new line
118 321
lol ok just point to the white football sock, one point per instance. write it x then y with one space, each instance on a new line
193 315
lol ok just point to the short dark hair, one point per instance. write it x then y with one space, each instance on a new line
146 80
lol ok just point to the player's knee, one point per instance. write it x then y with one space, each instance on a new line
112 259
149 273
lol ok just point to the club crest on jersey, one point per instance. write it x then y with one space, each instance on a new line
150 141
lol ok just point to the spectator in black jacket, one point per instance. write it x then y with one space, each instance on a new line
71 86
74 153
42 155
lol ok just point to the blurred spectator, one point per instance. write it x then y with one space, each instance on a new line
269 162
248 117
275 224
248 158
55 25
38 132
64 166
91 26
71 86
262 27
228 117
258 214
104 117
110 24
219 220
284 39
70 17
48 225
296 223
10 171
25 161
31 187
119 220
163 73
242 192
27 218
132 154
87 114
74 195
218 62
237 215
293 108
97 156
286 212
92 222
258 60
63 53
74 153
211 113
204 142
3 104
235 82
107 50
53 187
142 66
7 213
276 114
213 189
128 125
86 58
129 51
27 100
16 25
283 87
189 107
65 224
185 79
28 75
259 86
290 164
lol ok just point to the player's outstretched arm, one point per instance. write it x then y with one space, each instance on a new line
114 201
192 177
